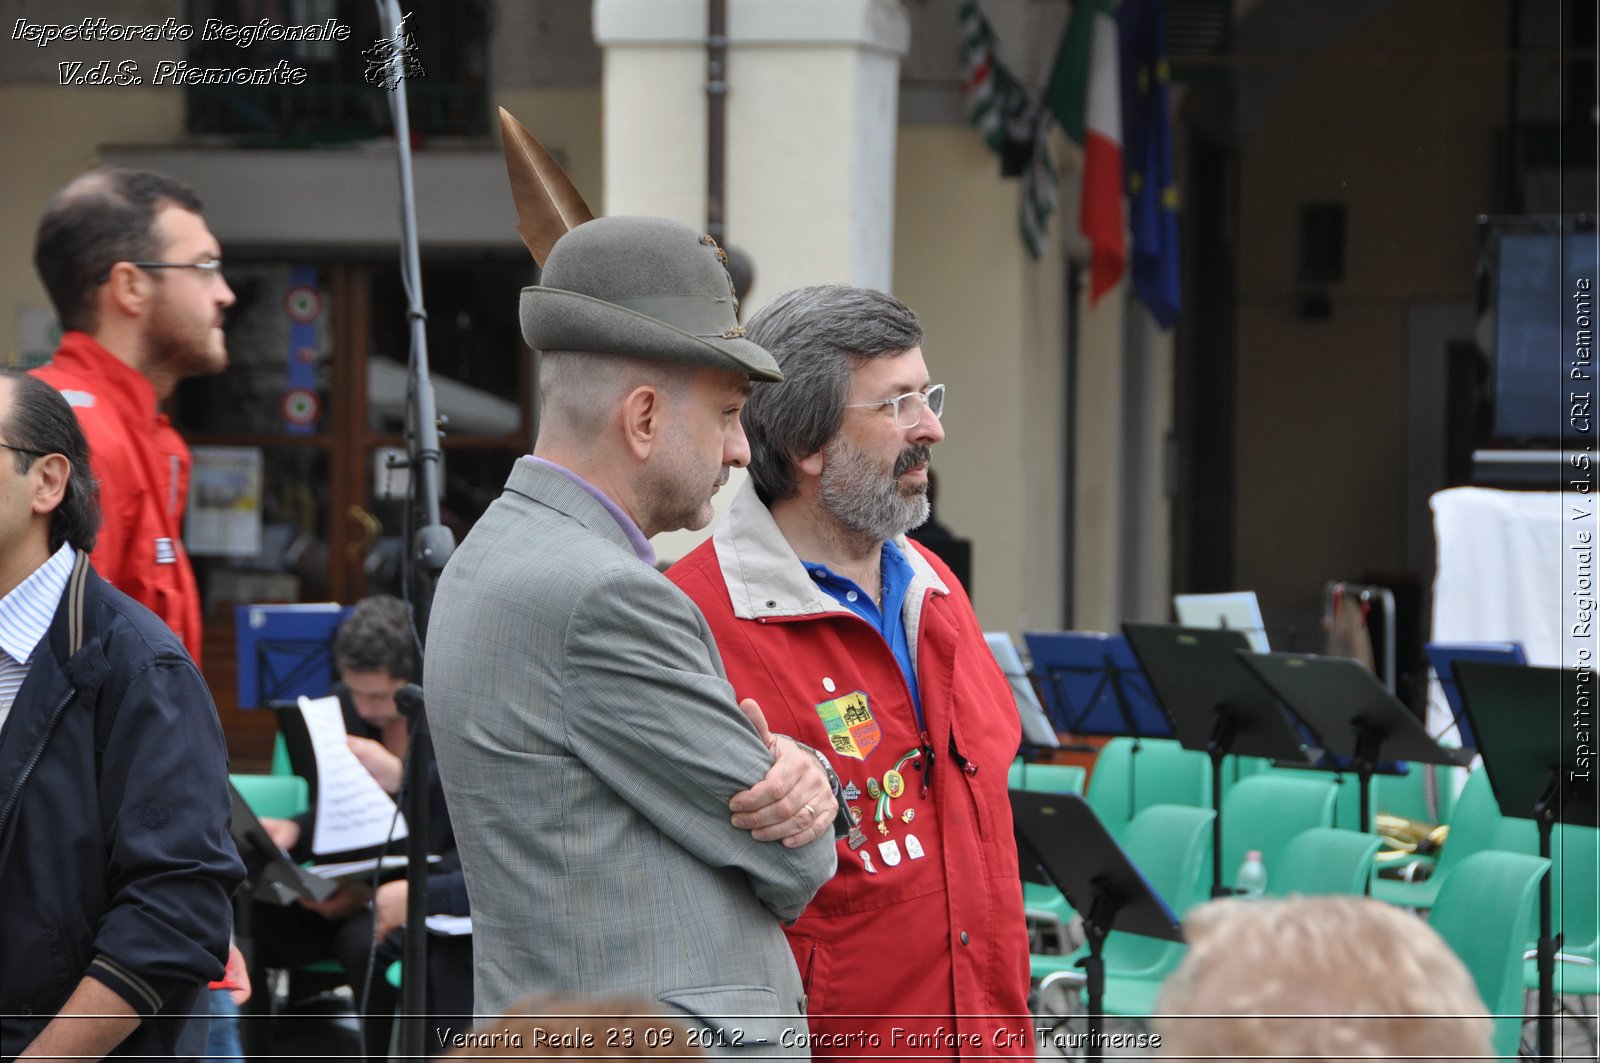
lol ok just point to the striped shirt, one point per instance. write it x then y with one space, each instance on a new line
25 616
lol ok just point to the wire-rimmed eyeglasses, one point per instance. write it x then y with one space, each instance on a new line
211 268
26 450
908 407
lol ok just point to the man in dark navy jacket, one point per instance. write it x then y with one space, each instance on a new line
115 860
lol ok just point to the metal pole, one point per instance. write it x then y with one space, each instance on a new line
716 116
430 548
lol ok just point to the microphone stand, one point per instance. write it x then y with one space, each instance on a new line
430 546
414 956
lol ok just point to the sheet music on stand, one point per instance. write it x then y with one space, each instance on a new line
1036 727
1234 610
1093 685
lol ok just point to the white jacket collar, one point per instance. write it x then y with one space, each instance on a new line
765 578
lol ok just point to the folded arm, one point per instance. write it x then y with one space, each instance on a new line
650 713
798 799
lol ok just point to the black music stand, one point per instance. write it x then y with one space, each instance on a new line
269 873
1061 842
1524 720
1335 763
1351 712
1215 705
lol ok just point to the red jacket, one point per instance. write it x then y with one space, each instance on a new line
917 946
143 468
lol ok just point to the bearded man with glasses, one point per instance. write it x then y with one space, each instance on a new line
136 279
861 643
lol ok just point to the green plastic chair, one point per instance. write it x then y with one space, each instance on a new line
1266 811
1324 860
1448 782
1161 772
1107 792
1484 911
1167 774
1235 767
1575 913
1475 825
1047 778
276 796
280 756
1171 846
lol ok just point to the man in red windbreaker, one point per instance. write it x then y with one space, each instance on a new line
859 642
136 279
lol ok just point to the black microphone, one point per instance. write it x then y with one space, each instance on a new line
408 699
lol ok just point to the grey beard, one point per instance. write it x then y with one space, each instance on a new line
865 502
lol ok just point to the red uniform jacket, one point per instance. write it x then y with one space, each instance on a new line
917 946
143 468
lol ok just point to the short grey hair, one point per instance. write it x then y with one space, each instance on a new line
819 336
579 389
1340 977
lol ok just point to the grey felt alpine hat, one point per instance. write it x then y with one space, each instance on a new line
648 287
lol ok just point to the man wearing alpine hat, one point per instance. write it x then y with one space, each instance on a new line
626 830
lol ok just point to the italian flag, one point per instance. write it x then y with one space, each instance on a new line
1084 93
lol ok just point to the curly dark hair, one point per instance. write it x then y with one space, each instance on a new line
377 634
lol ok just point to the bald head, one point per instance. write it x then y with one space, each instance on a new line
657 437
579 392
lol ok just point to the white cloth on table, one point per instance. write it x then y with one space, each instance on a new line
1498 577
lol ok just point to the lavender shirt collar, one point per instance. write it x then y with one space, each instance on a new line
641 545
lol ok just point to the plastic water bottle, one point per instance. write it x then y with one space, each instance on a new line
1251 881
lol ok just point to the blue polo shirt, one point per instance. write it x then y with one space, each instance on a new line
889 623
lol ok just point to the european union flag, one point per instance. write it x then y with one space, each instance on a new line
1147 158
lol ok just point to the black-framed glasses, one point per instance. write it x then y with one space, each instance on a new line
211 268
908 407
25 450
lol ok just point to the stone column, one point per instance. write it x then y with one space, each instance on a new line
812 120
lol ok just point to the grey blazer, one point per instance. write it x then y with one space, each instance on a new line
589 743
